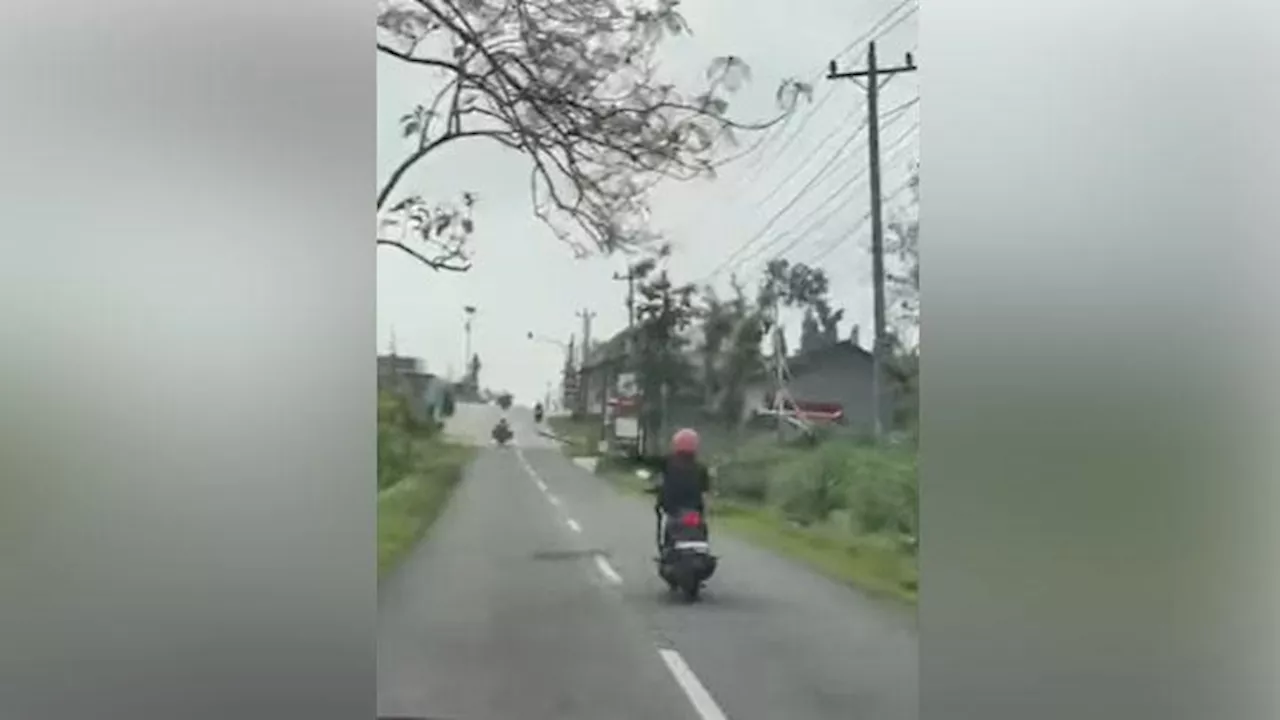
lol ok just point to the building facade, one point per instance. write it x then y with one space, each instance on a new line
839 374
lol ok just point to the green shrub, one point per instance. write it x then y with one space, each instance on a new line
883 491
395 449
743 481
848 507
395 456
397 432
815 486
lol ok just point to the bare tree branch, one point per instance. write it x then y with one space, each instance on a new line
417 60
572 86
429 262
424 151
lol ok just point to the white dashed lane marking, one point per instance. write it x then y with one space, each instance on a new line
698 695
607 571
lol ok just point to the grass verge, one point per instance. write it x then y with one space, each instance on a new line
839 508
407 508
876 564
581 435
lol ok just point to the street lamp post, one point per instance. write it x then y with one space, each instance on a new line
552 341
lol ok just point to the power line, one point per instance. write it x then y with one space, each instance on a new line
808 186
814 227
878 28
873 32
897 145
804 122
781 183
844 237
897 111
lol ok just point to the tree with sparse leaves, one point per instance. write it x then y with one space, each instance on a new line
797 285
664 312
435 235
821 326
743 359
733 330
718 324
810 332
903 244
574 87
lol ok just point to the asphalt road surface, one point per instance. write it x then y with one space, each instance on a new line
535 597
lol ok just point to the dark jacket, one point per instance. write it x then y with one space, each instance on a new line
682 482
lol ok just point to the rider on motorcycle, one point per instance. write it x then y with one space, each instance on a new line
502 430
683 480
537 412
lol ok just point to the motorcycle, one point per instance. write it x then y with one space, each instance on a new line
537 414
502 433
684 559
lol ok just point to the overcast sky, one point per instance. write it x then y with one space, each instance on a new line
524 280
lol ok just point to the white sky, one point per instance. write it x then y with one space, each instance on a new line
525 280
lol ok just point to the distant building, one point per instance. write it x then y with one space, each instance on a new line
833 378
405 376
598 374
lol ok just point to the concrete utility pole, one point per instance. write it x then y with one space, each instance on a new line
630 278
586 315
779 372
470 313
873 74
583 389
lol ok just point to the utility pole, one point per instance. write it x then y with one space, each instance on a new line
586 316
583 386
470 313
873 73
779 376
630 278
570 380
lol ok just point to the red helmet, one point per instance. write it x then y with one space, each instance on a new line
685 441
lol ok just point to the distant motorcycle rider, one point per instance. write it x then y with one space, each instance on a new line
502 431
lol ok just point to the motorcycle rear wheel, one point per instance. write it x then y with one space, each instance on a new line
690 591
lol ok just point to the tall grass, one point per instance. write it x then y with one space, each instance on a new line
417 470
847 507
874 487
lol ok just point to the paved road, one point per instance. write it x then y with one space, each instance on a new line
535 598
